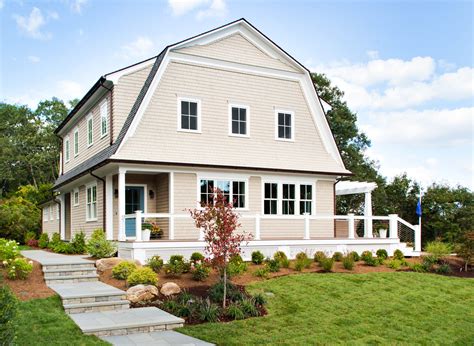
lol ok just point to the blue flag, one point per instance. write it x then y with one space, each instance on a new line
418 208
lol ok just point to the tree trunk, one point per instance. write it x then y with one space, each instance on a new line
225 287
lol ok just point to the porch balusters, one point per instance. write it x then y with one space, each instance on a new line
393 226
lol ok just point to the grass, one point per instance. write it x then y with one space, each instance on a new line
381 308
24 247
44 322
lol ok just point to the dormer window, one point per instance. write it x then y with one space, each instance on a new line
238 121
189 115
66 149
285 125
104 119
90 130
76 142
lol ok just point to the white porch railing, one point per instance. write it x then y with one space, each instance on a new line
356 224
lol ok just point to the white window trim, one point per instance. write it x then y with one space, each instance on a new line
292 139
76 130
178 113
76 190
106 116
91 119
247 108
297 184
231 180
306 200
51 213
96 205
46 214
67 149
57 211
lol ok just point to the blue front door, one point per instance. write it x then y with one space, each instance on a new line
134 200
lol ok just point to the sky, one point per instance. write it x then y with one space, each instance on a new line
406 67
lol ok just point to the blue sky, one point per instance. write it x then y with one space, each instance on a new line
406 67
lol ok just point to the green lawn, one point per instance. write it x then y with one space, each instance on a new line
388 308
43 322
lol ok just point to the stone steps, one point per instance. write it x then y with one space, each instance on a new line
125 322
68 266
96 306
53 273
72 279
167 337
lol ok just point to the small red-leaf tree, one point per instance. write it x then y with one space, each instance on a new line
219 222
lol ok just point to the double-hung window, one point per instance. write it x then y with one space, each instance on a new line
104 119
239 121
233 190
45 214
288 201
270 202
91 203
75 197
189 115
285 125
76 142
90 130
51 212
66 149
306 198
57 212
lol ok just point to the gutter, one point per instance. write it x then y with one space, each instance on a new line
104 216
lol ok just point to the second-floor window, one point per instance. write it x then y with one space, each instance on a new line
76 142
90 130
284 125
104 120
239 121
189 115
66 149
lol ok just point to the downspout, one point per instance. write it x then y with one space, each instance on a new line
103 199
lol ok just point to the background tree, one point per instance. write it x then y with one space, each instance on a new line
219 222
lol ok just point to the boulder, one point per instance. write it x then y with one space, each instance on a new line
108 263
141 293
169 289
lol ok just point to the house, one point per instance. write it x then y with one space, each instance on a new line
227 108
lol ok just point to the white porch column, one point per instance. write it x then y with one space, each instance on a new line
257 226
418 238
121 204
393 226
368 215
171 204
351 226
138 225
62 217
109 207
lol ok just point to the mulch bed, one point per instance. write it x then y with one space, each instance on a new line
457 268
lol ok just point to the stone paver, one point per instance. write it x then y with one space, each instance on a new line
85 289
50 258
167 337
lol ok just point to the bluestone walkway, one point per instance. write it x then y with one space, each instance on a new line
101 309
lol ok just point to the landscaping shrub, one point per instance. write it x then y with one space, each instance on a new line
318 256
122 270
257 257
29 236
249 307
398 254
99 247
327 264
196 257
372 261
394 264
19 268
55 240
355 256
207 311
43 240
365 255
465 249
259 299
302 261
200 271
235 312
78 243
419 268
429 261
176 266
273 265
8 311
62 247
337 256
282 259
18 216
9 250
216 292
32 243
348 262
382 254
184 297
261 272
155 263
443 269
143 276
236 266
171 305
438 249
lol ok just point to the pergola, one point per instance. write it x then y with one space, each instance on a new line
355 187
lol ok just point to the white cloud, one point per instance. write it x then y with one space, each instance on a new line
53 15
32 25
207 8
76 5
141 47
1 4
34 59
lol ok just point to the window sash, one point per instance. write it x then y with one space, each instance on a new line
239 121
91 203
76 142
189 115
51 213
66 148
284 125
90 131
104 120
270 202
234 189
306 199
288 199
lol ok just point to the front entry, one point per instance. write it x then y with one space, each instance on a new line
134 200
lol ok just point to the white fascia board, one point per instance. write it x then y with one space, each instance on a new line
115 76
